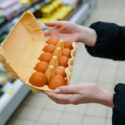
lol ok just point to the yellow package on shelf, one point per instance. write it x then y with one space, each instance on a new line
48 9
47 19
28 1
60 14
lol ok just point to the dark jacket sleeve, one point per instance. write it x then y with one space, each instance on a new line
110 41
118 117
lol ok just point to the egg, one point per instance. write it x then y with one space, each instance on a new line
56 81
46 56
41 66
66 52
68 44
49 48
53 40
38 79
60 70
63 61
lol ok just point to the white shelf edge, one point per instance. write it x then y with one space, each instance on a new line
81 14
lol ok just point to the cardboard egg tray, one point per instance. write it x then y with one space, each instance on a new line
20 52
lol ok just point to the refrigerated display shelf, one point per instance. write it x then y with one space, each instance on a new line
78 16
8 24
13 95
15 92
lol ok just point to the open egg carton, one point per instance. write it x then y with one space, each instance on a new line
24 49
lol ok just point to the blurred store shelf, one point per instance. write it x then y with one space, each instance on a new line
10 23
11 97
12 94
81 13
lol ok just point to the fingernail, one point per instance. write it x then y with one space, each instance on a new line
58 90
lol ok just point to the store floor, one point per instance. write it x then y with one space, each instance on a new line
39 110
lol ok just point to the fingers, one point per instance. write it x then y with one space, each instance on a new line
53 24
56 100
47 93
61 98
65 90
51 31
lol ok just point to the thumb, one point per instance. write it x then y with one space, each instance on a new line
65 90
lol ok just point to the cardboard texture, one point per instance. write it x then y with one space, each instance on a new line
20 52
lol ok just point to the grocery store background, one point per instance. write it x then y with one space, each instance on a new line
19 106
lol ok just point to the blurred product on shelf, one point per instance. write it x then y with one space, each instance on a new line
49 8
10 11
79 1
2 38
10 8
53 11
44 10
60 14
30 2
1 17
3 80
38 14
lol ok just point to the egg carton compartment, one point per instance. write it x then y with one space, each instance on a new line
54 63
20 52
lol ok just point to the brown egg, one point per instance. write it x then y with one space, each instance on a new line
63 61
60 70
38 79
50 48
41 66
66 52
68 44
46 56
53 40
56 81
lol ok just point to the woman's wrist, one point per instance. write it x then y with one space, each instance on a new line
104 96
87 35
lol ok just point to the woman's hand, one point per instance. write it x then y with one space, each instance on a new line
71 32
80 94
64 30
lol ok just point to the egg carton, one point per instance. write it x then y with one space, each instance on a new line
21 50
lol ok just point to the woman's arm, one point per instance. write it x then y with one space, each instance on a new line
82 93
91 93
106 40
110 42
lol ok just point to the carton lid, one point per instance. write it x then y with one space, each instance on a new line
23 46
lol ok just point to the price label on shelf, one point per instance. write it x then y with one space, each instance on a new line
11 91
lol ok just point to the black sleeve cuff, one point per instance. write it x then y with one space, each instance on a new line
119 105
109 43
